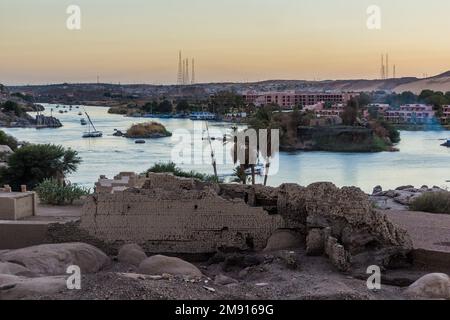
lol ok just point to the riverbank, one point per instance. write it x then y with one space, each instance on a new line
421 159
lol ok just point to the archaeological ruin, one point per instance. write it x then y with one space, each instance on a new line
166 214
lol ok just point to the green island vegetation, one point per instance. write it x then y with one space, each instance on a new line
433 202
147 130
302 131
172 168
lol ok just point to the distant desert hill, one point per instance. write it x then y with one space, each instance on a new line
437 83
95 92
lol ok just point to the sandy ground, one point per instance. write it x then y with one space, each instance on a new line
311 278
427 230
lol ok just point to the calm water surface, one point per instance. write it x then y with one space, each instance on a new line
421 159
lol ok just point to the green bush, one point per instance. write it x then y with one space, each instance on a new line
52 192
433 202
8 140
171 167
33 163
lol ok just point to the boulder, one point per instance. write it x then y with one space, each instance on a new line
430 286
315 242
159 265
377 190
283 240
14 269
54 259
131 254
405 187
14 287
5 151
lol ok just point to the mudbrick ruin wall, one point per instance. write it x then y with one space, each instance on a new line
163 213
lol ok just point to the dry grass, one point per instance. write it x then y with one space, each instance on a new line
147 129
433 202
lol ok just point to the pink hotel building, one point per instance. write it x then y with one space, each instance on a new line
290 99
410 113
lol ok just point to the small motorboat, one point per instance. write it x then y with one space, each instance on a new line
93 134
83 122
139 141
80 114
61 111
446 144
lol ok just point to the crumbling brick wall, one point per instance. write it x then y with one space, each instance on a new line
170 214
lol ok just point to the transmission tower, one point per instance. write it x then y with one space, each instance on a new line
180 71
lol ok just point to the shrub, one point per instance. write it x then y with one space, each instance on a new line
8 140
171 167
52 192
434 202
32 164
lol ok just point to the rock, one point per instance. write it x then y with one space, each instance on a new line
210 289
224 280
315 242
158 265
406 197
289 259
283 240
377 190
14 269
14 287
352 221
405 187
118 133
131 254
54 259
430 286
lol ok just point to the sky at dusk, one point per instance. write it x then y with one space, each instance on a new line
137 41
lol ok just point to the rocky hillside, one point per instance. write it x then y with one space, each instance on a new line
14 110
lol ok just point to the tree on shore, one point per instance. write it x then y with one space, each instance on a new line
32 164
164 107
350 114
183 106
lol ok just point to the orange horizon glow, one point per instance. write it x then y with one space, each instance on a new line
137 41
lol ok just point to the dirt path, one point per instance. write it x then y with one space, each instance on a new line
428 231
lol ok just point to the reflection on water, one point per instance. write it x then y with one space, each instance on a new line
421 159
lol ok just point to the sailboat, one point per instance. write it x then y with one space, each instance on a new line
94 133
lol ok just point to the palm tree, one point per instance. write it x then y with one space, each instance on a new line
263 119
34 163
249 151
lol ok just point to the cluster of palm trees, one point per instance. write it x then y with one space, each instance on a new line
246 151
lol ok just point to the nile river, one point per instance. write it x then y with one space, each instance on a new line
421 159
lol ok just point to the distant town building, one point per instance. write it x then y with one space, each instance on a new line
410 114
290 99
445 113
380 107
